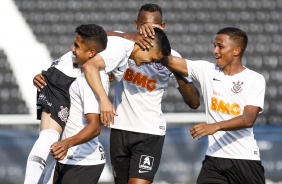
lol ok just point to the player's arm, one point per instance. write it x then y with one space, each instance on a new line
39 81
175 65
91 70
189 91
246 120
92 129
141 40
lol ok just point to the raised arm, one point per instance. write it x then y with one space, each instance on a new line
176 65
246 120
92 129
189 91
92 73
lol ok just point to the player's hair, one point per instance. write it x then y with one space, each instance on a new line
151 8
95 36
162 42
237 35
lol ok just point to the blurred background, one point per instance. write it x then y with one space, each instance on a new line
34 32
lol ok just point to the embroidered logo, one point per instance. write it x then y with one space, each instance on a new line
64 113
237 88
158 66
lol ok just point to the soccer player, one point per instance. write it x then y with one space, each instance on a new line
53 102
138 132
115 59
233 96
81 156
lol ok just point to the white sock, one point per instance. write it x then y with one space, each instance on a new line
37 157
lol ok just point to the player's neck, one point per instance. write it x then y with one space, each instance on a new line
233 69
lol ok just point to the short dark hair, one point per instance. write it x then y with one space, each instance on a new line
151 8
236 34
162 42
95 36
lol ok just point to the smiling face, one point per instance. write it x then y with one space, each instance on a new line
81 51
225 50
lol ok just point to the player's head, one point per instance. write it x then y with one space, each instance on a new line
149 13
156 53
230 44
90 40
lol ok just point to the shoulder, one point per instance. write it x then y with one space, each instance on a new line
116 40
251 74
117 44
175 53
201 63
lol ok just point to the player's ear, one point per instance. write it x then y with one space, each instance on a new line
92 53
237 51
163 25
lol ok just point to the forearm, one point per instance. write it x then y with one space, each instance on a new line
176 65
129 36
237 123
92 74
86 134
189 92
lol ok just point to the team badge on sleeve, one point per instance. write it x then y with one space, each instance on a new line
237 88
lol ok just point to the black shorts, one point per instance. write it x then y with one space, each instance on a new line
77 174
135 155
55 98
231 171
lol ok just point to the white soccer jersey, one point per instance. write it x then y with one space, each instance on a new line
225 97
83 101
116 55
65 65
138 98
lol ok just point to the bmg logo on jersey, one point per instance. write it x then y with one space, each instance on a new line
146 162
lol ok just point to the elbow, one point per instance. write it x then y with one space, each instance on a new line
194 105
97 133
249 124
192 101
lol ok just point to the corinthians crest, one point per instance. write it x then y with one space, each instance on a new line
158 66
64 113
237 88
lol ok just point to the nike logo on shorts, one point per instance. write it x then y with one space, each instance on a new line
141 171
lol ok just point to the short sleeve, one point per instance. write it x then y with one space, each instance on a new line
256 92
89 100
115 52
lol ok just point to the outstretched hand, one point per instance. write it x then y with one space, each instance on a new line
107 112
39 81
203 129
